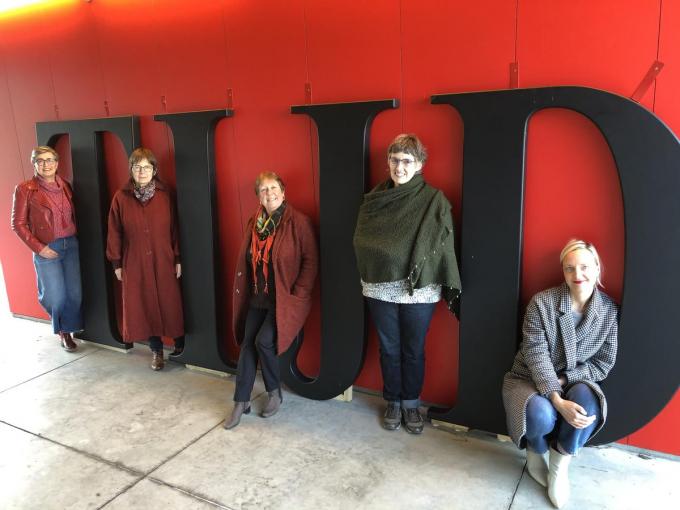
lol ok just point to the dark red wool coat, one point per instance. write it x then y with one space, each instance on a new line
295 257
143 240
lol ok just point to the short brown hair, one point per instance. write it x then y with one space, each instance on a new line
410 144
141 153
268 176
42 149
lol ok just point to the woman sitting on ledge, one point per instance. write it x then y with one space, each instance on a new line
551 395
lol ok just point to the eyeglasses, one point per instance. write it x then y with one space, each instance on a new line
395 161
43 162
142 169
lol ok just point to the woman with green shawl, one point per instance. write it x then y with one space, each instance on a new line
405 254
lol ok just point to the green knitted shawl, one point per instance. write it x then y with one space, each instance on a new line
407 232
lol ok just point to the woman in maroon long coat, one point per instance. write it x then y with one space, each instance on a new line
275 274
143 248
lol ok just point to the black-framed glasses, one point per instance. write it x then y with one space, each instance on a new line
142 169
396 161
45 162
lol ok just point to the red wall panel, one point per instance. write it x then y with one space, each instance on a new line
16 262
30 93
357 58
265 55
122 57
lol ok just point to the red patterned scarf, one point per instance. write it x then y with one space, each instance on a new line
261 241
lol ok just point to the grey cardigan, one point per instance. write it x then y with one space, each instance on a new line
551 346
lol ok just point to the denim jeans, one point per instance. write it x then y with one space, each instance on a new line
545 424
259 342
59 290
401 330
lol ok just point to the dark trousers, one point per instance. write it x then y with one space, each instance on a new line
259 342
401 330
156 344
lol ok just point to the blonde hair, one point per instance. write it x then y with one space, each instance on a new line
42 149
579 244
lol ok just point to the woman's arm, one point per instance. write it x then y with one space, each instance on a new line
114 237
19 220
536 353
572 412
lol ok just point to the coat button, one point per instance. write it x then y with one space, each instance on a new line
237 292
239 273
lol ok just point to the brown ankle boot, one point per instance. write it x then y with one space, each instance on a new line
67 342
157 361
240 408
273 404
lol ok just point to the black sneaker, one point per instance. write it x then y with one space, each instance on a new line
412 420
392 417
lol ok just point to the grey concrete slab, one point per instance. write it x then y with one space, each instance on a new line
336 455
114 406
610 478
35 349
36 473
155 496
34 355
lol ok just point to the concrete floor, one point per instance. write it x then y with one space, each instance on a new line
99 429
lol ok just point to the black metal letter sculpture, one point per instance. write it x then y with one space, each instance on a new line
91 200
647 156
343 130
193 133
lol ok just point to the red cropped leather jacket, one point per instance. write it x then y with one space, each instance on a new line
31 214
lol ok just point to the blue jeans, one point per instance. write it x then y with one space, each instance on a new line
401 330
59 290
544 423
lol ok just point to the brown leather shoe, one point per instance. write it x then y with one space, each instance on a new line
240 408
157 361
67 342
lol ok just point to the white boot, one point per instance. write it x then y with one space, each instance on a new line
537 467
558 478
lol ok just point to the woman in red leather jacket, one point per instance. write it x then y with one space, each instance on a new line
43 218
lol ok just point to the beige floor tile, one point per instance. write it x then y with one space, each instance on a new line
38 474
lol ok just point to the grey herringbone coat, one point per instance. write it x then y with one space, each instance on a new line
551 346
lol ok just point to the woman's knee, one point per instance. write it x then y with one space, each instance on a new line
541 415
584 396
53 300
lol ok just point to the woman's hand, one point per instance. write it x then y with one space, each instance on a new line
178 270
572 413
48 253
119 273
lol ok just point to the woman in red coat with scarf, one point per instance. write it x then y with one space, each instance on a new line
275 273
143 248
